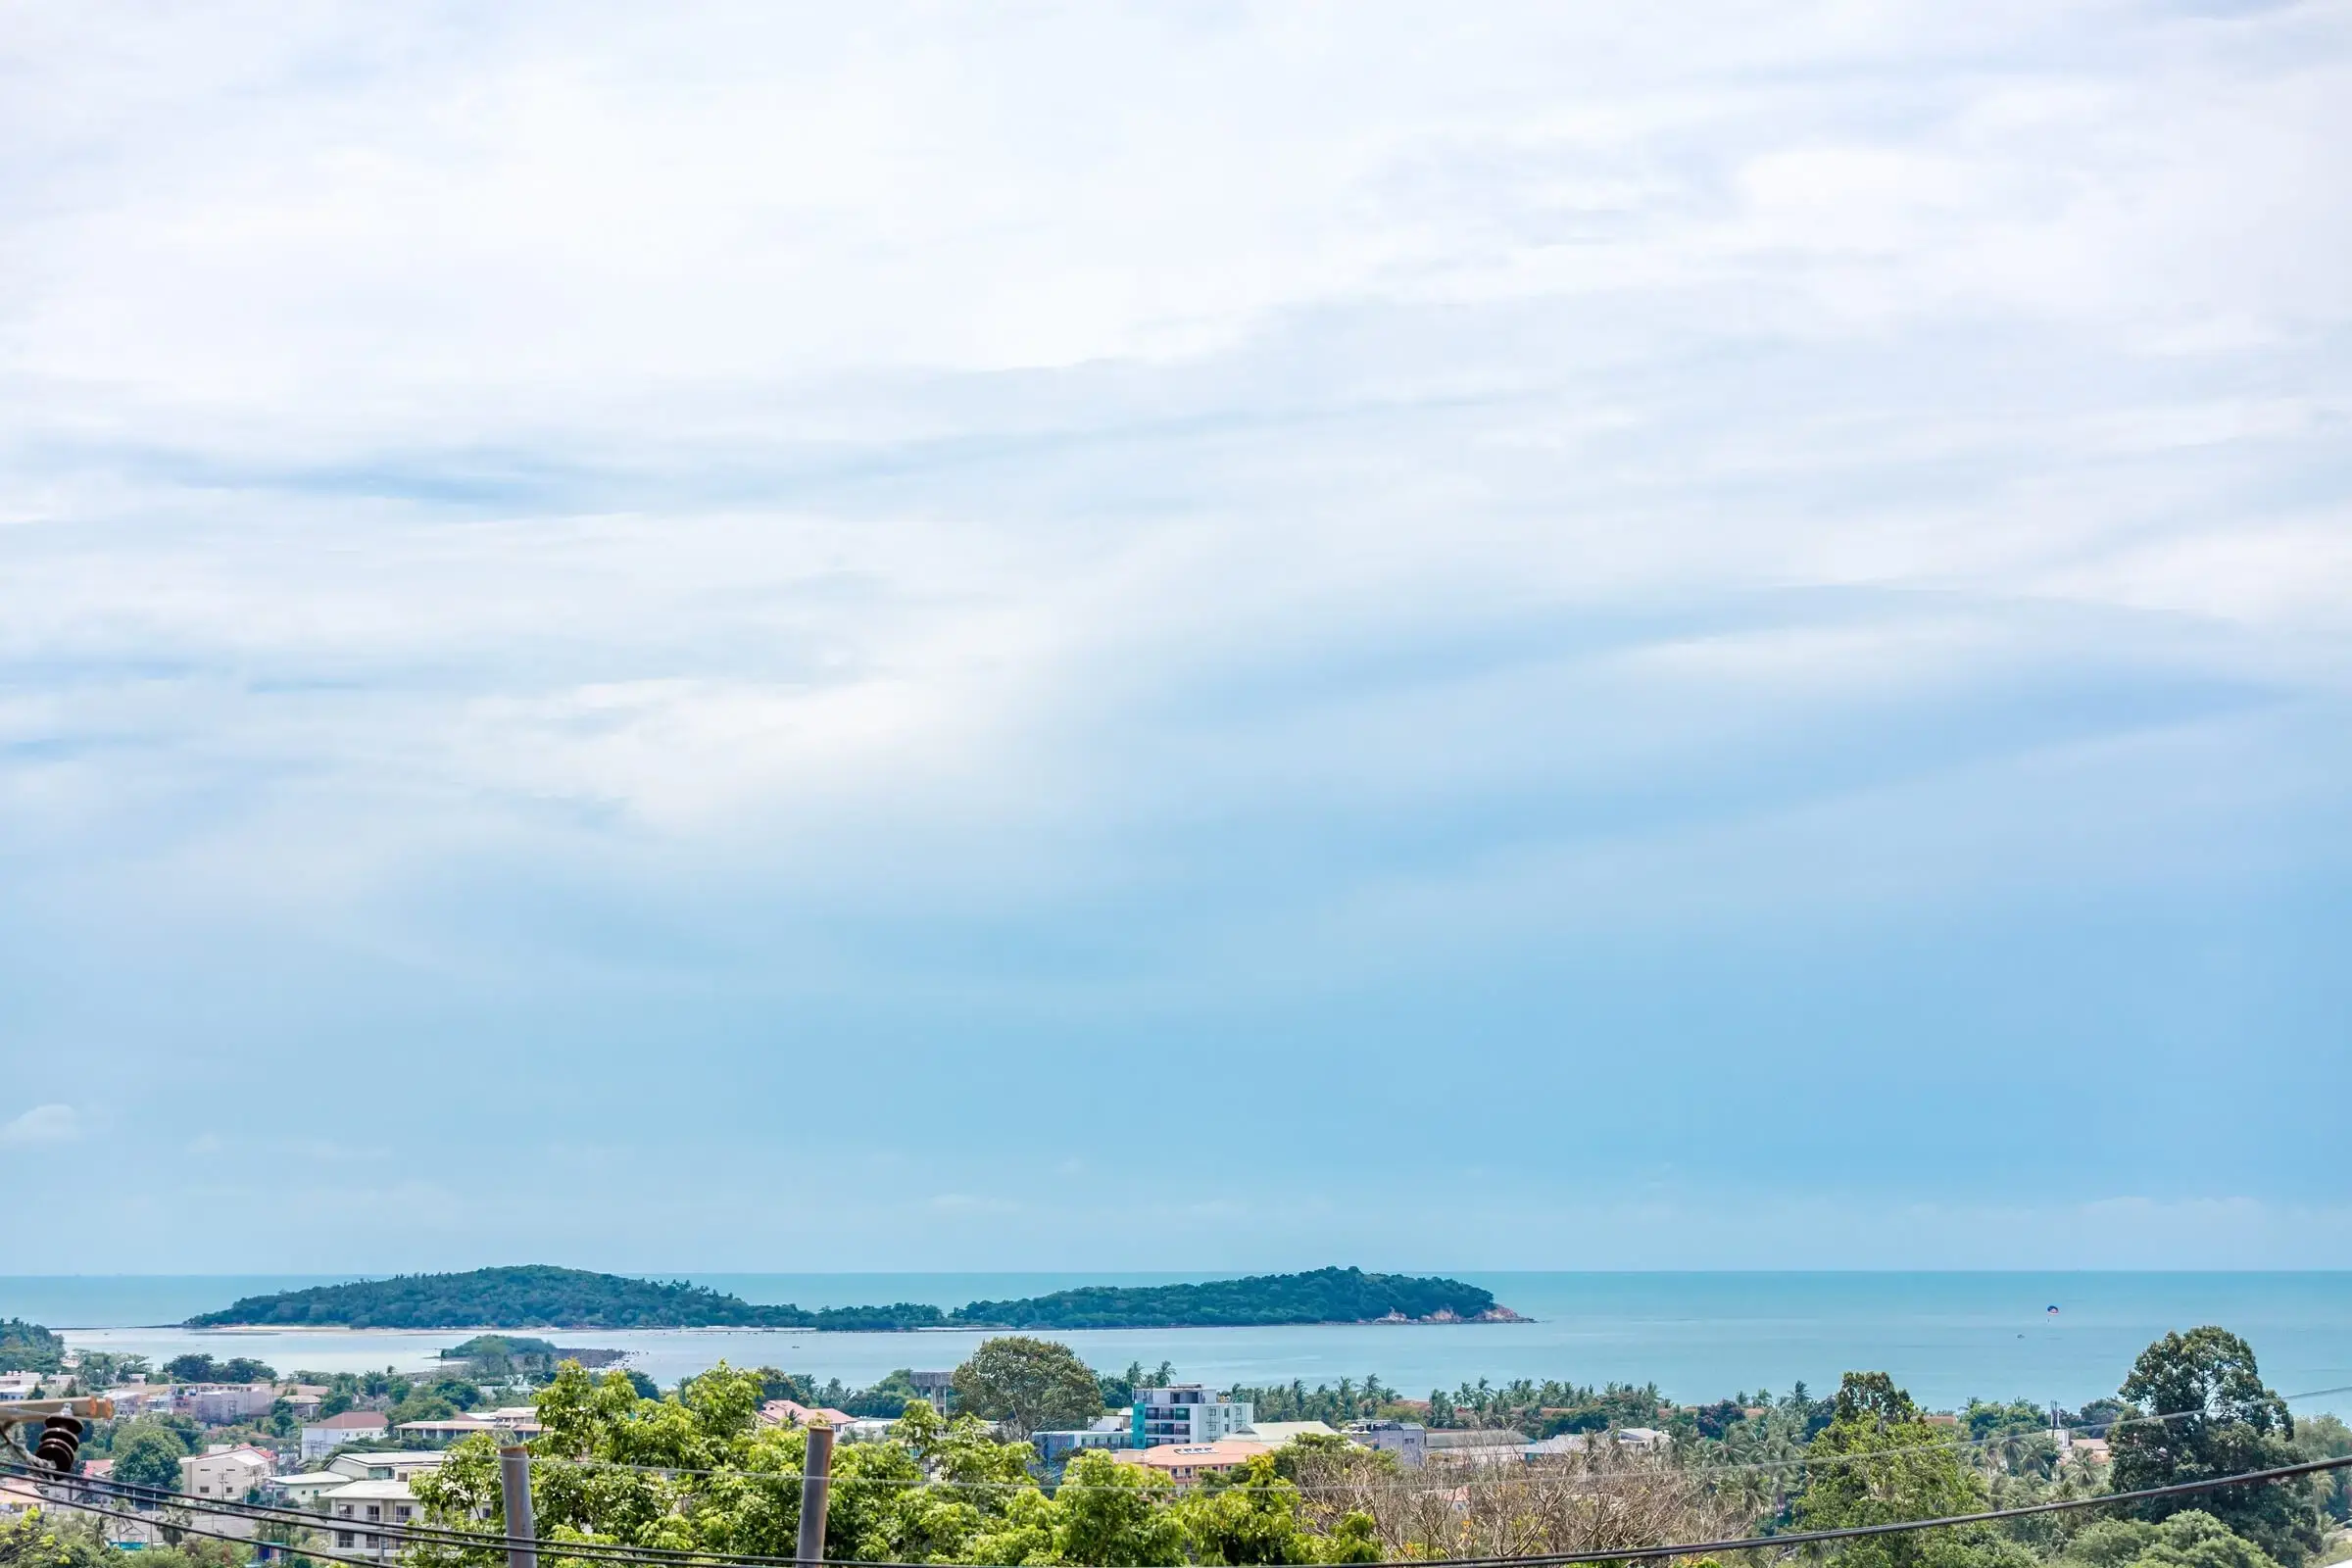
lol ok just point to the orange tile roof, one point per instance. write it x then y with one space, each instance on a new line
1181 1461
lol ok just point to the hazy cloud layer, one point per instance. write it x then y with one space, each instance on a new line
1645 613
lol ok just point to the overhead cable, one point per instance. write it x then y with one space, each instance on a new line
1701 1470
1812 1538
622 1555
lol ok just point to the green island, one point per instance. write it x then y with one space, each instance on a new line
29 1348
541 1296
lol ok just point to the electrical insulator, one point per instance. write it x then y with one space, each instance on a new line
61 1441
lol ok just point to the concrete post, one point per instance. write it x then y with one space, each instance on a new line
515 1485
816 1489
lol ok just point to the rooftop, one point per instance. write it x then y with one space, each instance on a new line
1222 1454
1277 1433
373 1490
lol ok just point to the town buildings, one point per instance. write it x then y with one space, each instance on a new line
1055 1447
305 1491
1274 1434
936 1388
362 1505
793 1413
500 1425
219 1404
397 1465
1184 1412
1408 1440
1475 1445
1185 1463
323 1438
222 1471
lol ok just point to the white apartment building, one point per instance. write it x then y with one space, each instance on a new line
224 1472
397 1465
359 1512
305 1491
1408 1440
217 1405
323 1438
1187 1413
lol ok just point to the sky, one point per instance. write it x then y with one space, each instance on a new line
1211 637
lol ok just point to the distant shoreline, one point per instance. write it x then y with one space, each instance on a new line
747 1328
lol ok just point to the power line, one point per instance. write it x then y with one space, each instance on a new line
214 1535
1809 1538
1700 1471
617 1554
423 1535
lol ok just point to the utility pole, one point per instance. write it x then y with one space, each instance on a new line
816 1489
515 1485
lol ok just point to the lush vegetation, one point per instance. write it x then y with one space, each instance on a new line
538 1295
1324 1295
995 1511
528 1295
40 1540
2193 1405
147 1451
1751 1463
204 1369
485 1345
1029 1384
29 1348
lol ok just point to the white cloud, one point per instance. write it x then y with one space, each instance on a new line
42 1124
1085 499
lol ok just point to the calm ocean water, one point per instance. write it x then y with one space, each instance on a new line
1946 1337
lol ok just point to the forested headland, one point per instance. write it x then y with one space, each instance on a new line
540 1296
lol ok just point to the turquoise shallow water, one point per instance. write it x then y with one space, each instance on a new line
1699 1335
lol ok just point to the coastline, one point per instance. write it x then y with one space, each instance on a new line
928 1328
1946 1335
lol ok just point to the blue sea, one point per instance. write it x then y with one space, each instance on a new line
1699 1336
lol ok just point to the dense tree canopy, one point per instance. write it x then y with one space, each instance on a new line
147 1453
1030 1385
2200 1409
751 1502
2190 1539
1885 1463
194 1368
29 1348
539 1295
1323 1296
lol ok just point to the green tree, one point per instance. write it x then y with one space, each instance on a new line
29 1347
1888 1464
1250 1516
40 1540
1031 1385
99 1370
147 1453
2190 1539
1356 1539
1023 1533
2213 1417
422 1404
1113 1515
2324 1437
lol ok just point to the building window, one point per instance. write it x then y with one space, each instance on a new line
343 1537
